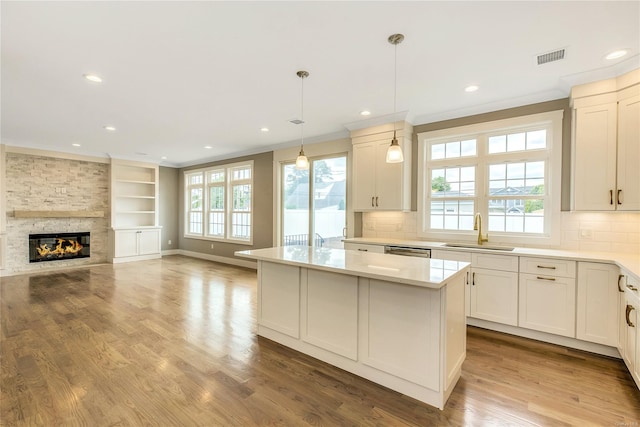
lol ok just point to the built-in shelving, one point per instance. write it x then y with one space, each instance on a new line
134 190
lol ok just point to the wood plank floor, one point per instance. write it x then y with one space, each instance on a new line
172 342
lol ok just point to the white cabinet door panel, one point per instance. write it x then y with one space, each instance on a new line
393 312
548 304
494 296
279 298
330 312
597 304
149 242
628 190
126 243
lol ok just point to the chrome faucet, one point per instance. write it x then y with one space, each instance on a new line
477 225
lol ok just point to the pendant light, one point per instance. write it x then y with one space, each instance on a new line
302 162
394 152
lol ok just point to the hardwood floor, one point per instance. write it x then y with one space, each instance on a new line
172 342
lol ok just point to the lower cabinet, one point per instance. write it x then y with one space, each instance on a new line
628 328
494 295
363 247
548 304
547 300
598 303
130 244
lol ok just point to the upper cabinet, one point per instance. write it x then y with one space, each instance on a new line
606 144
134 194
378 185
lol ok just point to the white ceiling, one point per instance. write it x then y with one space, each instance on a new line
182 75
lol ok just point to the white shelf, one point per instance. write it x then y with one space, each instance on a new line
134 194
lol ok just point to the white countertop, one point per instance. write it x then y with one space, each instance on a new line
628 261
413 271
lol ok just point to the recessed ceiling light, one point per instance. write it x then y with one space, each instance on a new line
617 54
76 145
365 113
471 88
92 78
264 129
208 147
109 128
163 158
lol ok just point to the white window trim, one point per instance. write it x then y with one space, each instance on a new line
228 208
554 170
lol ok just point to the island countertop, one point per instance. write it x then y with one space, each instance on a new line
423 272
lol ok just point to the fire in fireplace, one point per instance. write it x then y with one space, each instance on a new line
59 246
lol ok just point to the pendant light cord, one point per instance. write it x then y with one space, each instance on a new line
302 113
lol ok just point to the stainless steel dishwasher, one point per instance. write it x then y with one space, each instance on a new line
407 251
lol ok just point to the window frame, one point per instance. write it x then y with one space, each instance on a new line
482 160
227 184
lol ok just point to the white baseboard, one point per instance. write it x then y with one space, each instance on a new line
171 252
222 259
545 337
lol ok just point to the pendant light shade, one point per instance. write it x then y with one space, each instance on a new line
302 162
394 152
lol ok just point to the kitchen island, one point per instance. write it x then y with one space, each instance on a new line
397 321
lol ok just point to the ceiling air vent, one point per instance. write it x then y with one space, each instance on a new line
556 55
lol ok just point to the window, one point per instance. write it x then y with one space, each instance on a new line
219 202
502 170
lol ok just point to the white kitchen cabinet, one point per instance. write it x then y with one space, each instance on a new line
547 299
494 296
597 303
628 188
376 184
606 139
135 244
363 247
630 346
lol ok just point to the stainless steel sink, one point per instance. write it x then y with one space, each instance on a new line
475 246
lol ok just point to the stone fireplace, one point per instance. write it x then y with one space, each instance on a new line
59 246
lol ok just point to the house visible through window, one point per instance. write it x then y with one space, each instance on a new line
502 170
219 202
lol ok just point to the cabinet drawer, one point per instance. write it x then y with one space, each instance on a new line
364 247
548 267
495 262
451 255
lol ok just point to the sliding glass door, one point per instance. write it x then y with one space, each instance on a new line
314 203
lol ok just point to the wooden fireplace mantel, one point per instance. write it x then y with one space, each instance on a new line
58 214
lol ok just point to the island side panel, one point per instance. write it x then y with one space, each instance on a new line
279 298
454 330
330 312
400 331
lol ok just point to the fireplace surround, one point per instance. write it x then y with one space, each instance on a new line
59 246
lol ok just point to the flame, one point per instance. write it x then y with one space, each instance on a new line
72 247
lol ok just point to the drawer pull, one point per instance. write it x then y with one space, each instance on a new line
629 308
473 279
363 250
372 205
619 198
552 279
633 288
611 197
548 267
620 277
376 201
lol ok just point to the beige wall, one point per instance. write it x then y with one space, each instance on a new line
169 207
262 204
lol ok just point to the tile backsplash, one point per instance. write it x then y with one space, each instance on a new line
587 231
